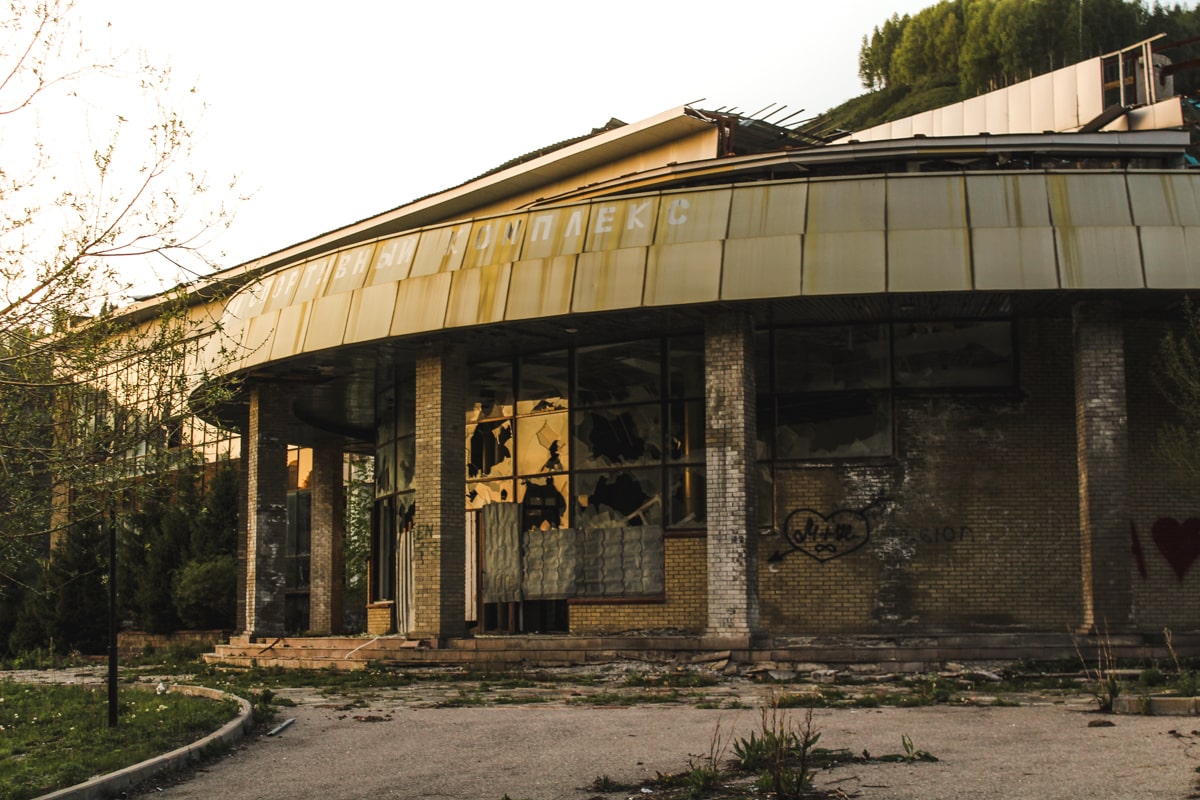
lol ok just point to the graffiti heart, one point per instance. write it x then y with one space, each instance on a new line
1179 542
826 537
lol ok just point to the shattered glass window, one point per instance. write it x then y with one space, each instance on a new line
830 359
687 493
489 391
954 354
627 498
385 469
482 493
685 432
543 503
833 425
543 383
685 366
624 435
619 373
542 443
490 449
406 460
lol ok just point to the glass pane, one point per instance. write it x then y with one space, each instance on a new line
406 409
299 517
954 354
686 366
685 440
482 493
688 509
618 499
385 469
834 425
406 459
765 426
831 359
489 449
296 575
543 383
542 443
616 373
608 437
489 391
544 503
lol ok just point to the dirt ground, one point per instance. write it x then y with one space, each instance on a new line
393 748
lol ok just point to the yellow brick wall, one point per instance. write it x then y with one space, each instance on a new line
685 607
974 526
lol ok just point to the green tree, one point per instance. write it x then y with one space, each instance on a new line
89 397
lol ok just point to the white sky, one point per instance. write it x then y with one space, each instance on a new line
332 114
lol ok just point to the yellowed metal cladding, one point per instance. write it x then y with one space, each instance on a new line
1014 258
1088 200
371 310
540 288
283 289
774 210
762 267
683 273
926 203
845 262
609 280
1099 258
393 259
1012 242
1171 257
556 232
846 205
327 322
615 224
495 241
256 339
928 261
693 216
290 329
441 250
478 296
421 304
313 278
1162 199
350 269
845 249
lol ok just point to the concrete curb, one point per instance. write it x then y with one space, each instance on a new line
1157 705
109 785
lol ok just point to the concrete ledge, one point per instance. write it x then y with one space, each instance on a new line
1157 705
113 783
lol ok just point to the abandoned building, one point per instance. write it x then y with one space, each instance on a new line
712 379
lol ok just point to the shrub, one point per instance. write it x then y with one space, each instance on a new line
204 592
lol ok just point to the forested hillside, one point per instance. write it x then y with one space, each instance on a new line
960 48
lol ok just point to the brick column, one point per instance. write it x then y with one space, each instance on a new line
439 522
265 457
729 441
1102 451
328 533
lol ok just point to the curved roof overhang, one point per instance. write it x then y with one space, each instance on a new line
962 235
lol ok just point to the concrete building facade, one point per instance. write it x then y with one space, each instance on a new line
706 376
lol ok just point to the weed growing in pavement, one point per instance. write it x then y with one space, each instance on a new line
1104 683
685 679
607 785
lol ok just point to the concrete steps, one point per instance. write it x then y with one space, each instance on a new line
892 654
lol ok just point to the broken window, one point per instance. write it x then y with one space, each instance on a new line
542 442
625 435
687 498
544 503
619 373
489 449
542 380
833 425
954 354
618 499
489 391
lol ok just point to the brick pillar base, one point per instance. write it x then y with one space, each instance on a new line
439 522
328 533
729 441
1102 443
266 511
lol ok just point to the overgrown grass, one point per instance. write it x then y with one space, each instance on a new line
56 736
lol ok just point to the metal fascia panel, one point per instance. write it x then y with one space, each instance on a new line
762 267
540 288
1014 258
680 274
928 260
609 280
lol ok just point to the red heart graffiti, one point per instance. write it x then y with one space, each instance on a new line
1179 542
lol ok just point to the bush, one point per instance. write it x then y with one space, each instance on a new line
204 592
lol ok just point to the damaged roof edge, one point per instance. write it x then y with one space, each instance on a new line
494 185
